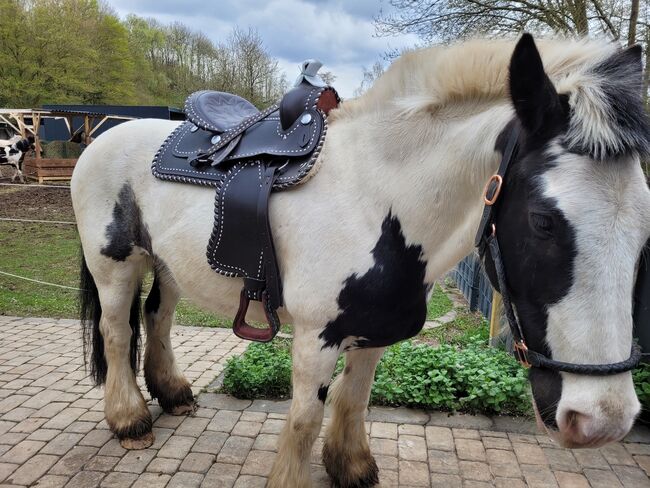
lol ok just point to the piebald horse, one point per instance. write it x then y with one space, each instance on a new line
395 204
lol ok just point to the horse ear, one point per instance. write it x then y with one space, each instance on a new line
533 95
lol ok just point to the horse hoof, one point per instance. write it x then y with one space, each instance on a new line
138 443
186 409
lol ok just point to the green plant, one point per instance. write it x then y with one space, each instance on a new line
641 377
264 370
460 331
475 379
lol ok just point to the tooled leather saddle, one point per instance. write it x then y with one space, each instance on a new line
246 154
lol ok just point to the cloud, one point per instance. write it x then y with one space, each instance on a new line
338 32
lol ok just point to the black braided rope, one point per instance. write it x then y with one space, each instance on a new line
540 361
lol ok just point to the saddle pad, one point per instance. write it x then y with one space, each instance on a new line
294 151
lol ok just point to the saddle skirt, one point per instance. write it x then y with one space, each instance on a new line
246 154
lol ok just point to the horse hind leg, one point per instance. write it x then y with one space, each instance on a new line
346 453
163 377
110 306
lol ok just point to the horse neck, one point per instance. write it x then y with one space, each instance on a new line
427 169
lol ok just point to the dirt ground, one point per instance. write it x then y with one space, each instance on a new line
31 202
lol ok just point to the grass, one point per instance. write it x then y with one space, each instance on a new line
460 331
51 253
439 304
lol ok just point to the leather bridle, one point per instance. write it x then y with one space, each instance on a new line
486 241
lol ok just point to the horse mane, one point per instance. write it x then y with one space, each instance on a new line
602 88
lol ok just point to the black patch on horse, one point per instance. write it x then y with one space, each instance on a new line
127 229
388 303
152 303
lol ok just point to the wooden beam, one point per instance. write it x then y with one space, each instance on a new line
92 131
36 117
86 129
2 117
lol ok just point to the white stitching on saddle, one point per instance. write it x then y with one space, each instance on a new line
223 219
279 153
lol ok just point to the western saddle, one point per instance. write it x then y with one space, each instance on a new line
246 154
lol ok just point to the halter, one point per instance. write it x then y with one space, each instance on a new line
486 240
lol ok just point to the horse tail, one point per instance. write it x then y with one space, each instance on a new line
90 311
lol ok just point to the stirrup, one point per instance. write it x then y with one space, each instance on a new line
245 331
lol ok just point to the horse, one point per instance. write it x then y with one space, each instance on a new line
396 202
12 153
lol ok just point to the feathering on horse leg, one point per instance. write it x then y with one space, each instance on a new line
164 379
126 411
313 366
346 453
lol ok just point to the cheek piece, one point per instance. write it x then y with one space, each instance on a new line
486 241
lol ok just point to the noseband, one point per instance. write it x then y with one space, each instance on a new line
486 241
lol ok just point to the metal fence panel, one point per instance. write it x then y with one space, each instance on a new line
474 284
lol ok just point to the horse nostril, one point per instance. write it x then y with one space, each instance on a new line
577 424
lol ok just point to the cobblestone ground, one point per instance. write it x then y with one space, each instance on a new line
52 431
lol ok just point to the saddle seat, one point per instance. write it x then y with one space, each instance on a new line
245 154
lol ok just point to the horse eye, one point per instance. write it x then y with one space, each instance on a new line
541 223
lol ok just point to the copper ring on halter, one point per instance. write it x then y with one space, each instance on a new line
497 190
521 351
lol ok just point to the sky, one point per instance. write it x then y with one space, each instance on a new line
339 33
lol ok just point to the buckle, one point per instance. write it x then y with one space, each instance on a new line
490 200
521 354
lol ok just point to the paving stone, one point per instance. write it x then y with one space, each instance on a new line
259 463
118 480
631 476
210 442
497 443
224 421
599 478
21 452
571 480
445 481
161 435
590 458
164 465
384 430
86 479
6 469
477 484
51 481
168 421
112 448
185 480
64 418
439 438
135 461
636 448
460 420
246 429
223 402
412 448
253 416
644 462
509 483
529 453
62 443
28 425
151 480
561 460
470 450
264 442
247 481
32 470
221 476
443 462
538 476
616 454
384 447
465 433
270 406
235 450
503 463
74 460
197 462
474 470
414 473
272 426
96 438
387 463
102 463
411 429
177 447
192 426
515 425
397 415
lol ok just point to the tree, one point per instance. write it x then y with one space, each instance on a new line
369 77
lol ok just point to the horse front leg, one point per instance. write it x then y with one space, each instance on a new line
313 366
164 379
346 453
